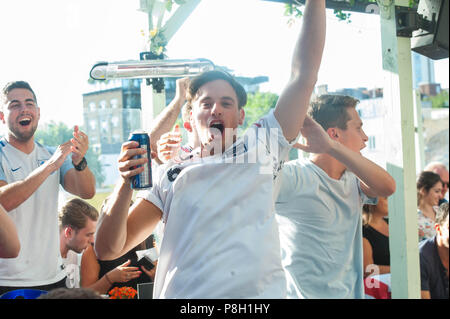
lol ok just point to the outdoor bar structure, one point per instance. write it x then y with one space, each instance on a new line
422 28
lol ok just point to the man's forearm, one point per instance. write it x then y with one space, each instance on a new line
310 44
111 232
375 177
14 194
80 183
294 100
9 240
165 121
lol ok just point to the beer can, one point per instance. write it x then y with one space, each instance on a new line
144 179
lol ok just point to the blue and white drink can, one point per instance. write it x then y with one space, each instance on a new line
144 179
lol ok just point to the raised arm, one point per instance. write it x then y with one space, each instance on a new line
375 181
121 228
165 121
294 100
80 183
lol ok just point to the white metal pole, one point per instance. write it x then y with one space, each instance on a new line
400 155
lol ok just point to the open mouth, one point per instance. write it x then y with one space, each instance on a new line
25 121
218 125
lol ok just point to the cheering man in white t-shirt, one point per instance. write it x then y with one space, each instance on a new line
220 236
319 207
30 175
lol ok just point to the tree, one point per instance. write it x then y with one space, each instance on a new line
439 101
258 105
54 134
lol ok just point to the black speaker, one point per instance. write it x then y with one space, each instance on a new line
433 45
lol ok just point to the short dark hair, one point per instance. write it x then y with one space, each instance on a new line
330 110
442 214
75 212
198 81
16 85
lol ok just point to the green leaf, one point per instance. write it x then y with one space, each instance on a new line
169 5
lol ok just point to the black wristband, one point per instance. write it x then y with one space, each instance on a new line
81 165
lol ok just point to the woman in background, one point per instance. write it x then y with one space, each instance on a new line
429 188
376 238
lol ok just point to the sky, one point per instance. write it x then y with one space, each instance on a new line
53 44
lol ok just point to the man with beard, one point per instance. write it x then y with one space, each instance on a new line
30 175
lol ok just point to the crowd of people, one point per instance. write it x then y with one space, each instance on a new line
240 221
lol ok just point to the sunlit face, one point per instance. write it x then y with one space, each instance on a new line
353 137
79 240
215 112
433 195
21 114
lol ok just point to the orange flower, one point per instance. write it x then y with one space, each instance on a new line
122 293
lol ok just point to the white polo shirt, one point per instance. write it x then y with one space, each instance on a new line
39 261
221 237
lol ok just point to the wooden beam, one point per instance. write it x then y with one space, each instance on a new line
178 18
400 155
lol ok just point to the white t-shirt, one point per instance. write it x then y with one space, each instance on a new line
221 238
36 219
320 222
72 264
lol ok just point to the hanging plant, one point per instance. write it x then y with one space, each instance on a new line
157 42
294 12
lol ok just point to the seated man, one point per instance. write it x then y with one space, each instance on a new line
218 208
78 220
434 259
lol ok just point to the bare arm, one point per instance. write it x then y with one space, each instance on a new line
164 122
14 194
121 228
90 270
375 181
368 261
80 183
9 240
294 100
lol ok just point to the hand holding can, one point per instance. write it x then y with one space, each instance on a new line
128 164
143 179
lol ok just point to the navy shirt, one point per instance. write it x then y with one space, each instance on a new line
432 273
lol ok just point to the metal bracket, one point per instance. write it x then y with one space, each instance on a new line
408 20
157 83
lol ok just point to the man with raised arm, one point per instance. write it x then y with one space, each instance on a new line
221 237
319 207
30 175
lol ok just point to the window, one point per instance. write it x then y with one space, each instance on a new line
103 104
114 103
93 124
92 106
115 121
104 125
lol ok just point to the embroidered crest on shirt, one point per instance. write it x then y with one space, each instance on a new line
173 173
